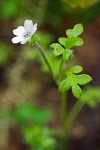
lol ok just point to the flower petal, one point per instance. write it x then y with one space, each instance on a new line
28 25
20 31
34 28
25 40
17 39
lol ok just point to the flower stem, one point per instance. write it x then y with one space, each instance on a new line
61 69
46 61
72 116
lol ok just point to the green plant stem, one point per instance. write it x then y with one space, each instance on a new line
63 94
61 65
46 61
61 69
72 116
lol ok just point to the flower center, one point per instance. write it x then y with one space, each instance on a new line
27 34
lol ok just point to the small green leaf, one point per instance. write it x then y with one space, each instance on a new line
64 86
78 41
76 91
70 33
62 41
76 69
83 79
67 54
71 42
76 31
58 49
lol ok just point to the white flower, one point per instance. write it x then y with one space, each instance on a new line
24 33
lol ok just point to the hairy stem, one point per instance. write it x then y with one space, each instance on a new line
46 61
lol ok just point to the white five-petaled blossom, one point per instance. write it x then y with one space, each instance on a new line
24 33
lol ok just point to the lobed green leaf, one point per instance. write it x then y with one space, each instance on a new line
71 42
73 80
64 86
76 69
76 31
76 91
58 49
67 54
83 79
70 33
62 41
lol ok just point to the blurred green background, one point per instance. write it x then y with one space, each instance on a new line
37 97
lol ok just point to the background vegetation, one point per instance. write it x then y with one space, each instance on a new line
29 100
